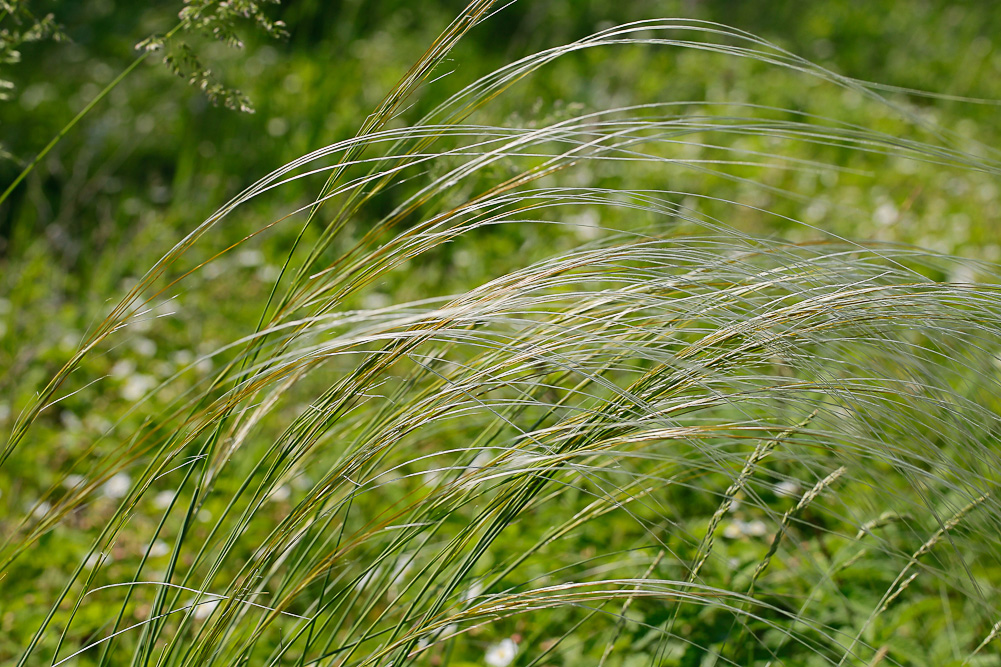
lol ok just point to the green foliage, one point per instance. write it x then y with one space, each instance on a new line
558 365
218 19
21 26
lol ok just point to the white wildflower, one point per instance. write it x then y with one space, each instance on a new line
445 633
97 559
433 477
502 654
118 486
182 357
370 575
249 258
732 530
159 548
964 273
474 591
214 269
70 421
97 423
376 300
786 488
204 515
404 564
739 528
522 461
137 385
587 225
482 459
73 481
162 500
41 509
122 368
267 273
280 494
886 214
205 609
144 346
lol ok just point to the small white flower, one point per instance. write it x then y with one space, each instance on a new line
739 528
376 300
440 635
502 654
162 500
70 421
786 488
734 505
41 509
96 559
267 273
404 564
963 274
367 578
522 461
482 458
886 214
122 368
481 461
159 548
182 357
204 515
280 494
474 591
118 486
587 225
249 258
97 423
137 385
144 346
433 477
73 481
205 609
732 530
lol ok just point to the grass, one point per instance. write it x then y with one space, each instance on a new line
647 435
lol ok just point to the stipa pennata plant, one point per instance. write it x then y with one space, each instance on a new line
670 442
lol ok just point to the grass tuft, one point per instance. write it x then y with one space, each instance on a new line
580 458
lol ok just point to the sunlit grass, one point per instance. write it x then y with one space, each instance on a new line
661 441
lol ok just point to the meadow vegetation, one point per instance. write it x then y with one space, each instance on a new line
633 341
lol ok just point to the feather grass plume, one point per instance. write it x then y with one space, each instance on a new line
585 451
